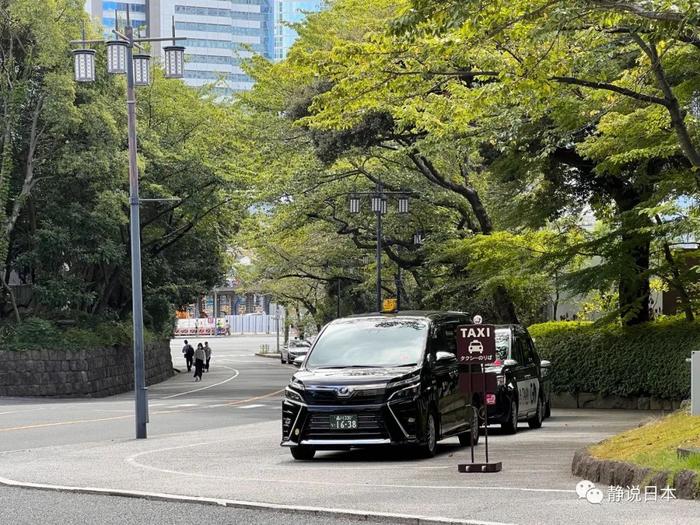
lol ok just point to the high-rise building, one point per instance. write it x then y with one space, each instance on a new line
290 12
220 34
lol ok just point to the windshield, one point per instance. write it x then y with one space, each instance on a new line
502 344
377 343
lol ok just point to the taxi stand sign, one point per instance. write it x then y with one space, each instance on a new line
476 345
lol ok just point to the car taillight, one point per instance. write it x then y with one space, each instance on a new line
490 399
498 362
500 380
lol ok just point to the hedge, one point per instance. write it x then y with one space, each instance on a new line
641 361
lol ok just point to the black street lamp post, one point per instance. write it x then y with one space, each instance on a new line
121 60
378 200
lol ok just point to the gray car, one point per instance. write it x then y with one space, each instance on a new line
294 349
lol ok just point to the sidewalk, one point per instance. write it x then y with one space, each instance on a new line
245 463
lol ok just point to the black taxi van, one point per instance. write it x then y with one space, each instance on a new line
521 390
379 379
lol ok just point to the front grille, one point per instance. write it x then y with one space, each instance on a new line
330 397
370 426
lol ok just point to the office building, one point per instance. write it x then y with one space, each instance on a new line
220 34
290 12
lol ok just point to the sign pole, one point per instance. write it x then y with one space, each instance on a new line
471 393
476 345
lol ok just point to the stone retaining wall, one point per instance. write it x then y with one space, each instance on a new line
587 400
624 474
80 373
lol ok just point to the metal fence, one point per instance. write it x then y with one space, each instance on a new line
230 325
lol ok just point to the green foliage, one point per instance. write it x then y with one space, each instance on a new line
646 360
40 334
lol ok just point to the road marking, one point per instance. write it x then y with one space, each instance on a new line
114 418
234 376
250 406
185 405
22 410
354 514
132 460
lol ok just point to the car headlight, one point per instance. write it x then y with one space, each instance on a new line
408 392
296 384
292 394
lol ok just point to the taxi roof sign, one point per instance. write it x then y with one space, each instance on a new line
389 305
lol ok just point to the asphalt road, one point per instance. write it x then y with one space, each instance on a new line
220 439
33 507
239 389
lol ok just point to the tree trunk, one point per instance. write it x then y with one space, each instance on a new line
634 281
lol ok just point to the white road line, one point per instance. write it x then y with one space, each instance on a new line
354 514
216 406
234 376
132 460
185 405
250 406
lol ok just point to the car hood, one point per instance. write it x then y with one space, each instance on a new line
353 376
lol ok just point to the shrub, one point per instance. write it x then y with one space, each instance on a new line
646 360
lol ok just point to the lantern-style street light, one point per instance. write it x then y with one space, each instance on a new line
379 206
120 60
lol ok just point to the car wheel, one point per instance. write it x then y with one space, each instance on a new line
548 410
282 360
536 420
303 452
472 437
511 425
429 448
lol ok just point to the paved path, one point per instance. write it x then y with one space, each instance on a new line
223 442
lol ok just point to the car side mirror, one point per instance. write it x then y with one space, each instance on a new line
443 357
544 367
510 362
299 360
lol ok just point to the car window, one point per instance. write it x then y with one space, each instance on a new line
446 337
502 344
517 351
370 342
533 353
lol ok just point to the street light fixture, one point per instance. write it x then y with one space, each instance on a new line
142 70
379 206
120 59
116 57
84 63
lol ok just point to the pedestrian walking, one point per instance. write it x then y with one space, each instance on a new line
188 352
207 355
199 358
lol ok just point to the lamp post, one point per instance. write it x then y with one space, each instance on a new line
120 60
378 200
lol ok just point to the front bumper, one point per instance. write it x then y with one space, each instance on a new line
387 423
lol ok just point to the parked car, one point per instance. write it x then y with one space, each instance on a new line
379 379
522 390
294 349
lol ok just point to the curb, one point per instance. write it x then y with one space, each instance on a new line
271 356
380 517
625 474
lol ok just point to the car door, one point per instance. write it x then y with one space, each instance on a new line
528 376
451 403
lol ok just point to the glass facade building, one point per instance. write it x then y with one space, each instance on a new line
290 12
220 33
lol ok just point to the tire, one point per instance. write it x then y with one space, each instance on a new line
511 425
303 453
282 360
429 448
548 410
472 437
536 420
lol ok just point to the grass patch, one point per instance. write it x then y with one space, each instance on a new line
654 444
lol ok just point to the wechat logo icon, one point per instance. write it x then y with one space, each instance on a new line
587 489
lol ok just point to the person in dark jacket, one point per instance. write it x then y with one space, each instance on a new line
207 355
188 351
199 357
